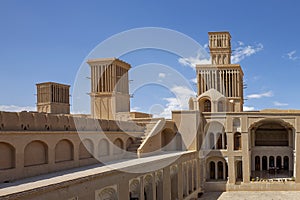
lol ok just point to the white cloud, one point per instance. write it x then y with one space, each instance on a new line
291 55
135 109
161 75
194 80
240 43
179 102
14 108
193 61
206 46
243 51
260 95
276 103
255 78
248 108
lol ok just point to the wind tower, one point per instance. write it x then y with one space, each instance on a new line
109 87
220 84
53 98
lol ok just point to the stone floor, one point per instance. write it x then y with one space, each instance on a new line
266 195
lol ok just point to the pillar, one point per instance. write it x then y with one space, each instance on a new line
231 170
223 141
180 181
153 186
123 189
245 157
224 170
260 163
216 170
230 141
166 184
142 188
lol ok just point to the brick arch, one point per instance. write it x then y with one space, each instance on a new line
129 141
7 156
35 153
64 151
134 189
86 147
103 147
170 139
108 193
118 146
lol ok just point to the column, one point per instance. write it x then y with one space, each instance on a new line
153 186
260 163
216 170
231 170
215 137
224 170
245 157
166 184
142 188
180 181
123 189
223 140
229 141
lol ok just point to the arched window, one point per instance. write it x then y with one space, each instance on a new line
207 106
134 189
63 151
264 163
129 142
271 161
7 158
220 106
237 141
257 163
212 168
35 153
86 149
103 147
220 170
118 146
278 162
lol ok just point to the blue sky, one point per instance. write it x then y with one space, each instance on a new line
48 41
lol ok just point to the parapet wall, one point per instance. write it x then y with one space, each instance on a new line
33 121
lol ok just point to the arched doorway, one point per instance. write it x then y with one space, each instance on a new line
270 139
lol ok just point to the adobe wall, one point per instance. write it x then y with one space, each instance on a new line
38 143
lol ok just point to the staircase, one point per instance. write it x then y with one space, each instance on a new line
139 140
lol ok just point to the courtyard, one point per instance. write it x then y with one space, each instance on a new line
245 195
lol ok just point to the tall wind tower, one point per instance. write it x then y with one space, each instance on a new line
109 87
220 84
